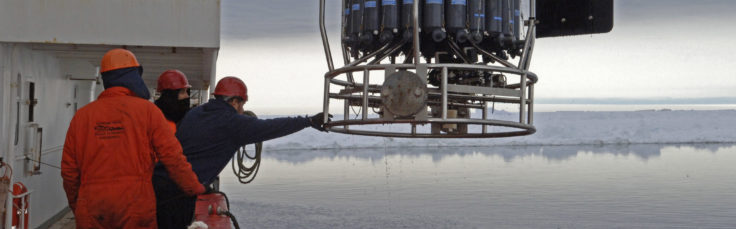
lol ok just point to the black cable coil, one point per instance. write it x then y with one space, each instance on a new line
242 170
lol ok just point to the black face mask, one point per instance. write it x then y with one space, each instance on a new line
173 108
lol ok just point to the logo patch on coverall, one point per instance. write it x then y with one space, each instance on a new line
109 130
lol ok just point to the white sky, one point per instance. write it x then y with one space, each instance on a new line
657 49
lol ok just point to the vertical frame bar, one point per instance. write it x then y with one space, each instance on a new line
416 32
531 105
346 112
531 35
485 116
326 100
366 82
93 87
522 100
444 93
323 33
524 66
532 8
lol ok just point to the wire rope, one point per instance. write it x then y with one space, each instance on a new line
243 170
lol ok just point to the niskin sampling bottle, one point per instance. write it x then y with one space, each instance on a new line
371 21
433 19
390 20
407 18
456 18
476 20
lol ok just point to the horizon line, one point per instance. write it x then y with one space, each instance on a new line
651 101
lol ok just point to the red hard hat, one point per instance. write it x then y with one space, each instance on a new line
172 80
231 86
117 59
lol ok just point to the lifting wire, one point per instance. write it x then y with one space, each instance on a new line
43 163
246 173
356 112
227 213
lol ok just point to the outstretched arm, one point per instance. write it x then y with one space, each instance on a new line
252 130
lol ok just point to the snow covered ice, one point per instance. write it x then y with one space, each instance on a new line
557 128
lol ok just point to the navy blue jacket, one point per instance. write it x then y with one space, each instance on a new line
211 134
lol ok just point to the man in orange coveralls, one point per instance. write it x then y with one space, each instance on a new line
111 147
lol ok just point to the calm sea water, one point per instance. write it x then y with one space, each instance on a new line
622 186
624 107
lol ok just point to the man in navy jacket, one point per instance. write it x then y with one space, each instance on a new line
210 135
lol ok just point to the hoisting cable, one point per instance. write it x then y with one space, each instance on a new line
232 217
366 57
457 50
390 51
356 112
243 171
497 59
43 163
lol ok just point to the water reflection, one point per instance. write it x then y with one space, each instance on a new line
594 186
508 153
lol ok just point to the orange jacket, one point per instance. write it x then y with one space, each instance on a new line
172 125
110 150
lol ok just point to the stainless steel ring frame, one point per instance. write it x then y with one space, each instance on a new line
364 95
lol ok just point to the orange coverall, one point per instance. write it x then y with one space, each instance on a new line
109 154
172 125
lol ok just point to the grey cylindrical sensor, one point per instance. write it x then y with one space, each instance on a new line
508 21
371 21
433 18
389 20
494 17
517 20
476 20
356 17
457 19
346 22
407 18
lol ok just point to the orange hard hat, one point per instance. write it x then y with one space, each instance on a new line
117 59
231 86
172 80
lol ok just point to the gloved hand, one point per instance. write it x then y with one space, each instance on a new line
318 121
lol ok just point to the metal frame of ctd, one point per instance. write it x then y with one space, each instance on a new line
358 94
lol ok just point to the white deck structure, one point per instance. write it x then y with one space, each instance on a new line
49 55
